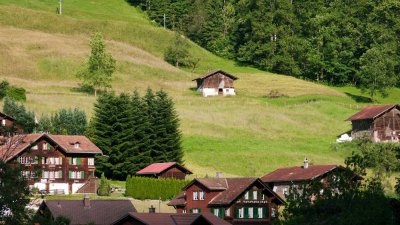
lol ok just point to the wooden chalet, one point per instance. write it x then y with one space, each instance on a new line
216 83
7 124
379 123
236 200
165 170
170 219
282 179
87 211
62 164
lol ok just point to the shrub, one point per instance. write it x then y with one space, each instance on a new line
104 186
151 188
275 93
12 92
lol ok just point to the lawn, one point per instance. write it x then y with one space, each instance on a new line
245 135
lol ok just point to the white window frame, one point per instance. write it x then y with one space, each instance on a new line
228 212
241 213
216 212
76 145
260 213
251 212
184 211
255 195
3 122
195 196
195 210
35 147
246 196
275 188
44 146
51 175
91 161
201 195
273 212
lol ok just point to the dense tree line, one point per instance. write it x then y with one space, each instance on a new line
134 131
333 41
64 121
24 118
150 188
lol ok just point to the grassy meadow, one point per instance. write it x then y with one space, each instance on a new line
246 135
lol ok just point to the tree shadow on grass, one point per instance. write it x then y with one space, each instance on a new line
359 98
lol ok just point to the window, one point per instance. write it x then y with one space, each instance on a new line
25 174
45 174
216 212
91 161
76 174
195 211
260 213
195 195
58 161
35 147
246 196
58 174
201 195
273 212
184 211
24 160
241 213
76 145
51 175
250 212
45 146
255 193
75 161
3 122
275 188
228 212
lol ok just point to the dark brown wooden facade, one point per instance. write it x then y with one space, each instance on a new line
49 166
383 125
238 201
165 170
7 124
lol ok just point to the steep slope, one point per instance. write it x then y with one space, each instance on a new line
243 135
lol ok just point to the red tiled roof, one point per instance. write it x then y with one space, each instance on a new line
297 173
65 142
175 219
371 112
214 72
100 212
230 189
180 200
157 168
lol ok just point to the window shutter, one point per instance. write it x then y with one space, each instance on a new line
212 210
191 210
264 212
221 213
59 174
70 174
78 161
61 160
255 212
70 160
48 146
236 212
82 175
260 194
246 212
199 210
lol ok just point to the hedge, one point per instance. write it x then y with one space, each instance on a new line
152 188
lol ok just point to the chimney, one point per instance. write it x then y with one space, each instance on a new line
86 201
152 209
218 175
305 163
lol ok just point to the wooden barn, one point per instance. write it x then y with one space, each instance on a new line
380 123
164 170
216 83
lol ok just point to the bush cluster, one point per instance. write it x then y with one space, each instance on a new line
151 188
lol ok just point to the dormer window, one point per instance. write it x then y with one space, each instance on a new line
76 145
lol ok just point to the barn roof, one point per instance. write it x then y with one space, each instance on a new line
100 212
297 173
175 219
6 116
230 189
157 168
215 72
20 143
371 112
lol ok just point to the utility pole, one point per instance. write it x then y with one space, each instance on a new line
60 7
164 21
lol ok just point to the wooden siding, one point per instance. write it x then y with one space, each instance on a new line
215 80
383 128
42 154
174 173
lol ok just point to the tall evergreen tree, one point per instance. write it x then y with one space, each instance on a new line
23 118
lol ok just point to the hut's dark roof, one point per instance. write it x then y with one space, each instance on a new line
175 219
100 212
215 72
371 112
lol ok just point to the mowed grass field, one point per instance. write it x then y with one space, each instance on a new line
245 135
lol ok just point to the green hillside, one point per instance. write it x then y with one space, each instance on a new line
243 135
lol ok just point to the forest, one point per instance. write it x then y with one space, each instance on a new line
338 42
